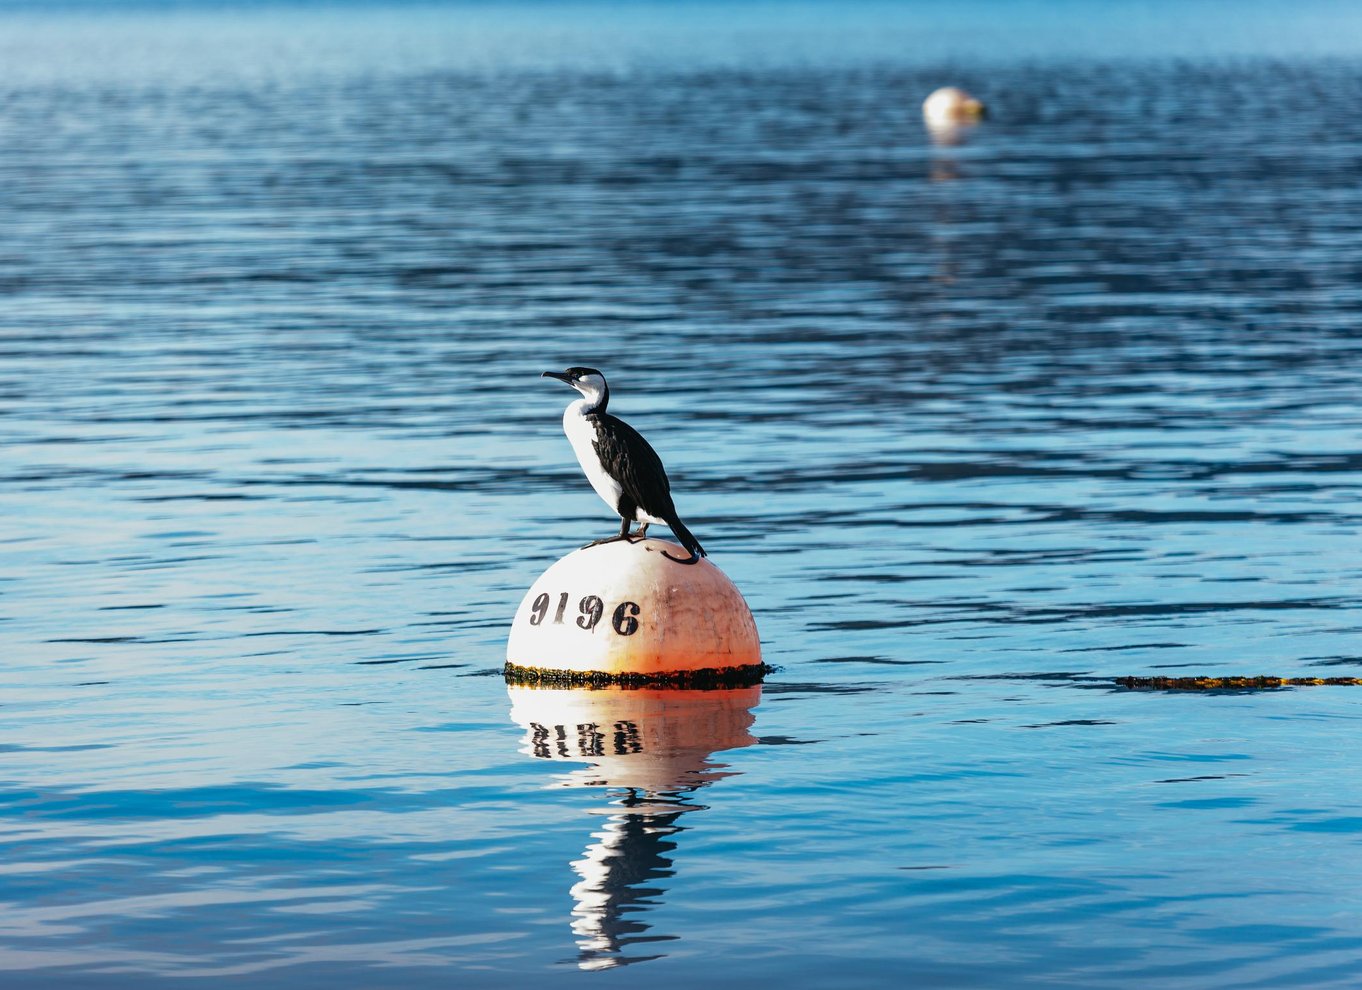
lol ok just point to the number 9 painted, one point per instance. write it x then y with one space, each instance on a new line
592 608
539 609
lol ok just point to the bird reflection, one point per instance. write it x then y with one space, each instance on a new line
650 749
614 890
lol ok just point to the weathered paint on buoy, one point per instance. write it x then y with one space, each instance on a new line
952 105
623 609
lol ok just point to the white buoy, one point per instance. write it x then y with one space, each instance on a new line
951 106
629 612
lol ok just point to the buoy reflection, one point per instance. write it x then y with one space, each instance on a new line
650 749
950 134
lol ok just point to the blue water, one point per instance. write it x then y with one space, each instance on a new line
977 421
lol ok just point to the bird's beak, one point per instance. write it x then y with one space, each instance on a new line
561 376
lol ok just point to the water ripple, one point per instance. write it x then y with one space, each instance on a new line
978 427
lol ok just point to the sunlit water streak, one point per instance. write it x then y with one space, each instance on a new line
977 423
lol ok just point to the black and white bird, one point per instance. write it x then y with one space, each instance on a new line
619 463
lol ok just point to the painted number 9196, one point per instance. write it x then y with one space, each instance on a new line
590 612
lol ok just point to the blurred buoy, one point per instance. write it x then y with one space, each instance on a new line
628 613
951 105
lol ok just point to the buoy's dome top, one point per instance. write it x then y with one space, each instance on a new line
627 609
952 105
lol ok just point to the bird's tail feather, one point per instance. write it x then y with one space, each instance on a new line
688 541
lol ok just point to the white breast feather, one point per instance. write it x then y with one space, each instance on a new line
581 433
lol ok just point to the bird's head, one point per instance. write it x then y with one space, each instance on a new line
588 381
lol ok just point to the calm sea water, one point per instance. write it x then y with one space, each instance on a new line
978 422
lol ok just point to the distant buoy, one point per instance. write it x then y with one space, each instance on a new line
627 613
949 106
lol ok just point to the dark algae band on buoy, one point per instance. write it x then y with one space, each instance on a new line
708 678
1259 682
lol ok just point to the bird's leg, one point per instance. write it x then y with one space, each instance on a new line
642 533
623 535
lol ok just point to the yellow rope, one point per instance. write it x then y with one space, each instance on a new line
1232 683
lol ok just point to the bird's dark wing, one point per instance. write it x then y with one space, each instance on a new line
633 462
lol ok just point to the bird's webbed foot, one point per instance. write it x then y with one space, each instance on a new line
623 534
608 539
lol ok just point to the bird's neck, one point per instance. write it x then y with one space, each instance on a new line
592 402
579 410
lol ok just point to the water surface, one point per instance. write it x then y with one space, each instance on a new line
978 422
